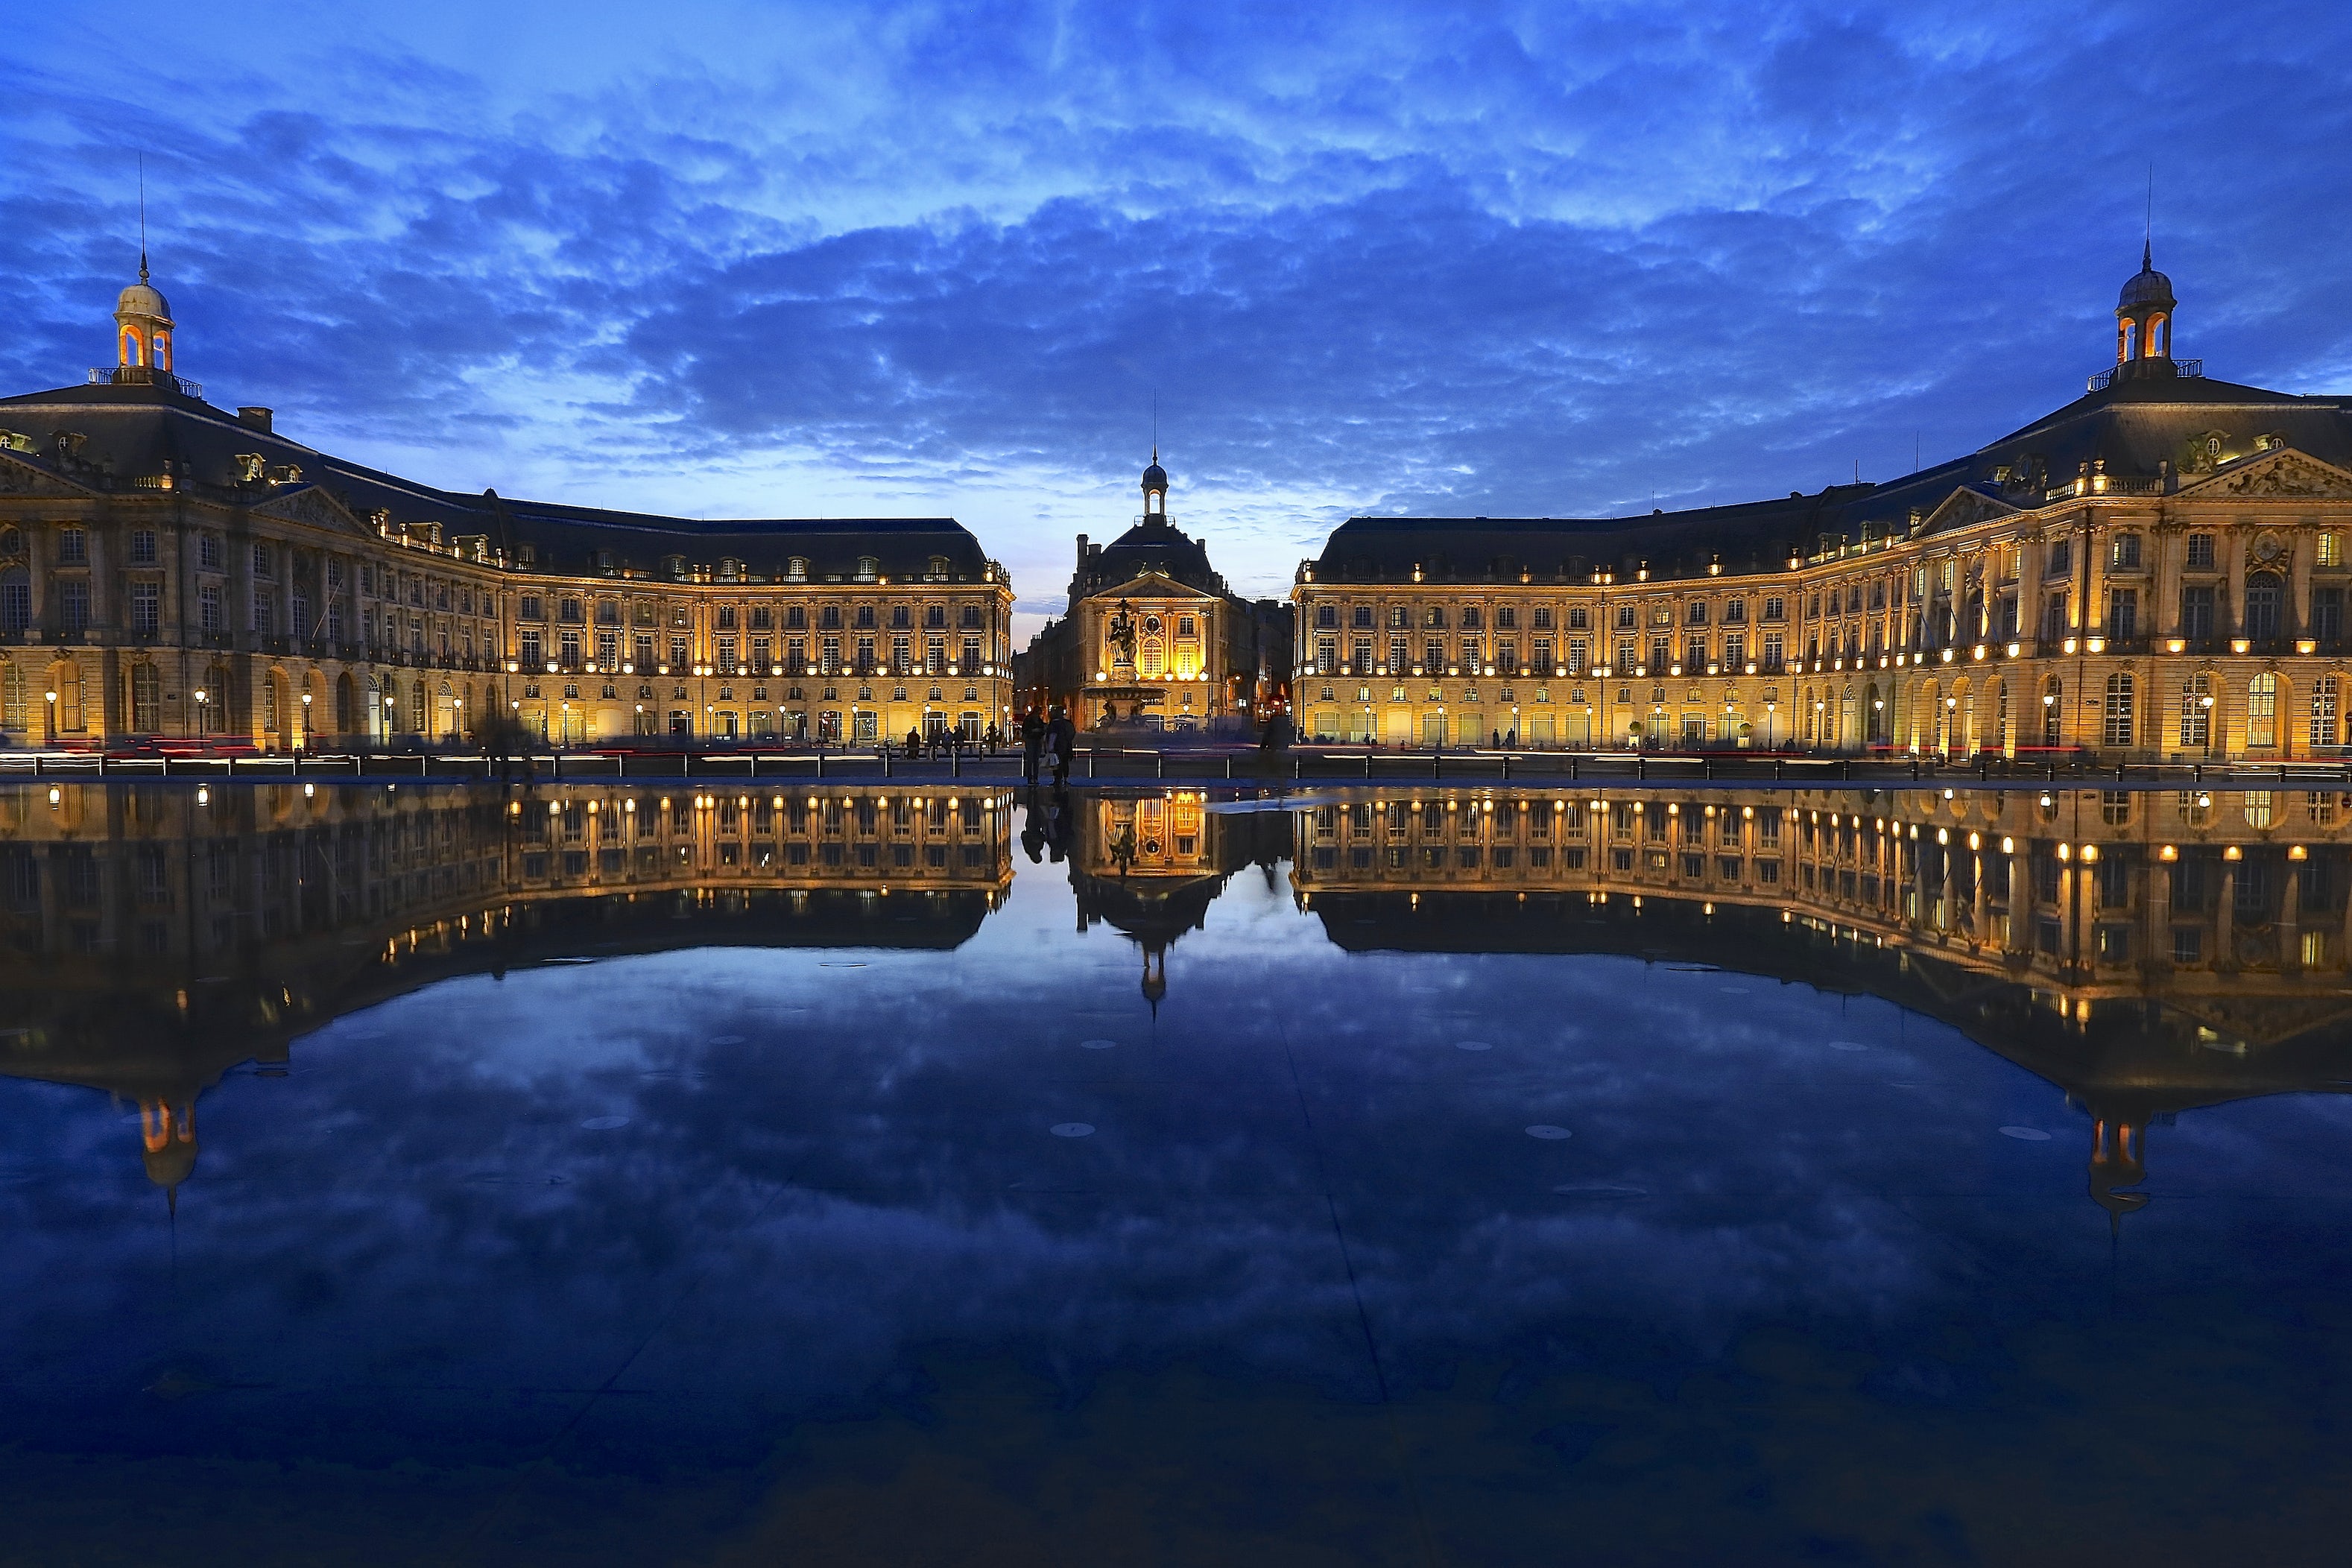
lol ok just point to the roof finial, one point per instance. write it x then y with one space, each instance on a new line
142 217
2148 241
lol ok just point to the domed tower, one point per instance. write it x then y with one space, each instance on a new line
1155 488
2144 324
142 326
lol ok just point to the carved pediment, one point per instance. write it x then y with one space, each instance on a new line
1964 506
2281 472
23 479
312 505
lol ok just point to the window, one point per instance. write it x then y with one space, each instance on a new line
2196 611
208 607
2200 552
263 560
75 607
143 547
2324 697
145 600
1774 610
146 699
2328 614
2261 622
73 547
16 600
2261 710
208 551
796 569
2123 553
2331 548
868 568
2197 713
2123 613
2117 728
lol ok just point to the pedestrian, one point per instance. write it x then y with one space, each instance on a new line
991 741
1063 736
1033 741
914 742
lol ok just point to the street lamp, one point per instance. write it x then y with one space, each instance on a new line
304 739
203 714
53 717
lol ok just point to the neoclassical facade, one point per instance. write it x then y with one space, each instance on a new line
2156 570
170 571
1154 637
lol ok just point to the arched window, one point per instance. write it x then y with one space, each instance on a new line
796 569
131 349
162 350
2261 710
2117 730
2324 694
2262 606
868 568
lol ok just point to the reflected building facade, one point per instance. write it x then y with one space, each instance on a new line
2147 952
152 939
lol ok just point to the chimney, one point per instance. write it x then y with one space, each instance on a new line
1082 553
258 418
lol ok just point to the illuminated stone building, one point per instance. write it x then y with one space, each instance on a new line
169 571
1152 636
2157 569
2149 952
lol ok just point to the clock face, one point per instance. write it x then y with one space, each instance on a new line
2266 548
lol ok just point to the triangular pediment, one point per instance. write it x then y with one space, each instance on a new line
22 478
311 504
1152 585
1965 508
2281 471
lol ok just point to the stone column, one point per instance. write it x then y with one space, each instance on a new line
2230 618
2163 615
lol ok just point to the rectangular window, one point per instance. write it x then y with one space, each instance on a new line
1774 610
208 551
146 599
534 652
2331 548
2123 553
143 547
2123 609
1734 650
73 547
2328 614
2196 611
2200 552
261 560
75 602
2324 697
678 651
608 650
208 607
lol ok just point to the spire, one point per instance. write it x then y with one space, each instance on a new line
142 217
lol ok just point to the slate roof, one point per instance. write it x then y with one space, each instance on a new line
2130 426
1155 544
132 432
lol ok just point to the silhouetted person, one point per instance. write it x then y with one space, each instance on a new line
1063 736
1032 742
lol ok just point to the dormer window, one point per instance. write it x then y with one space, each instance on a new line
796 569
729 569
674 567
939 568
868 568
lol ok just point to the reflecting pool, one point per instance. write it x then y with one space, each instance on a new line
581 1173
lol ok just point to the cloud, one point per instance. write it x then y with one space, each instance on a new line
1489 259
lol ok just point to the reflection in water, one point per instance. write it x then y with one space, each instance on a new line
1618 1147
2150 952
153 938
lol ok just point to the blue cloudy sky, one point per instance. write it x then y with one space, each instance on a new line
776 259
